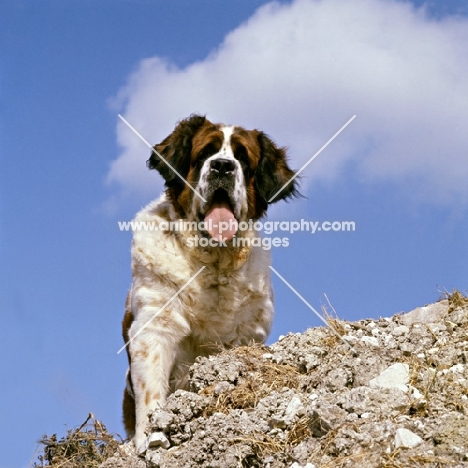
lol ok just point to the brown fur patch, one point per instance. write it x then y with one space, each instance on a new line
209 137
128 407
127 322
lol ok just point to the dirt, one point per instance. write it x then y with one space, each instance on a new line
391 392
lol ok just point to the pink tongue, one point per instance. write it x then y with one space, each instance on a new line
220 222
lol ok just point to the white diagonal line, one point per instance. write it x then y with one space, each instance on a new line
157 154
161 309
313 157
310 307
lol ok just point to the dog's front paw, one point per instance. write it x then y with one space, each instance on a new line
140 443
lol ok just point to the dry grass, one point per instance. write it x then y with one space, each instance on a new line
86 446
437 384
262 378
91 444
456 300
265 445
397 459
337 325
344 461
262 444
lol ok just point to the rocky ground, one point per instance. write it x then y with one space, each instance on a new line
391 392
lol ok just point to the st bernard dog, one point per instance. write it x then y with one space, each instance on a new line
199 289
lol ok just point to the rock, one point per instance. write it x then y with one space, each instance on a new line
396 376
401 330
126 457
222 387
157 439
457 369
294 410
350 339
325 417
301 453
308 401
154 459
378 401
370 340
451 435
407 439
428 314
161 420
419 401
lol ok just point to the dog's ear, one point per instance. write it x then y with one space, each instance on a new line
176 149
273 172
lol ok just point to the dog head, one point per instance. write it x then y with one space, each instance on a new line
221 172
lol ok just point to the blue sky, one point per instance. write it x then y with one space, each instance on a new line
298 70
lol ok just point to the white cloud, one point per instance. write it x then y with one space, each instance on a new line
299 72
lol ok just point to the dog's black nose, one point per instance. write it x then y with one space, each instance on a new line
222 166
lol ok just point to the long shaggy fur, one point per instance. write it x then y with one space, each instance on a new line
230 302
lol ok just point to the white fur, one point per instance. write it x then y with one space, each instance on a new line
239 193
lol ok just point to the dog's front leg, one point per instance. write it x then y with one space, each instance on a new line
153 351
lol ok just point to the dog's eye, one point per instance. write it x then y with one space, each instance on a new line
241 154
207 151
